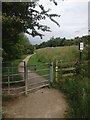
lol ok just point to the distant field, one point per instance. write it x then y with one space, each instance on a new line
67 53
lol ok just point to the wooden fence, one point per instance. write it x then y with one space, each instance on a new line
64 69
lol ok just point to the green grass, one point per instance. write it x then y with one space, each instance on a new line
76 92
33 60
67 53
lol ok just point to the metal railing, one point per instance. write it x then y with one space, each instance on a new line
21 79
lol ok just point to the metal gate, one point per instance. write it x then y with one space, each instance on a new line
24 78
39 75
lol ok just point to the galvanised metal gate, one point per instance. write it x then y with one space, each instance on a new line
39 75
24 78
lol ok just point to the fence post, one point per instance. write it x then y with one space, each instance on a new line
61 68
56 69
51 72
8 80
12 70
25 77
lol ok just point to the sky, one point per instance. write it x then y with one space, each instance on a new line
73 20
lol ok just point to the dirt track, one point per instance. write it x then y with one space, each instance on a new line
44 103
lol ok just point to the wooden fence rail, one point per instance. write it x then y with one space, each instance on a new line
66 69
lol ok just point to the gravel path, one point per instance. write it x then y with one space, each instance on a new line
43 103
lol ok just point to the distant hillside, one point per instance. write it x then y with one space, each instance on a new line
54 42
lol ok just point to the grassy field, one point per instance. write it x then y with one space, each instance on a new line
67 53
76 89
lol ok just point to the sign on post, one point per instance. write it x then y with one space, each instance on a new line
81 46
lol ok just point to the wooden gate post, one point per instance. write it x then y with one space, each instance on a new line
25 77
60 68
56 77
51 72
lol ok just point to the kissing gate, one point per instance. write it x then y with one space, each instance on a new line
24 78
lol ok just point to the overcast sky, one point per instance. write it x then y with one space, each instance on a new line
73 21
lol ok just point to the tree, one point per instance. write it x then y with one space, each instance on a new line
19 17
15 51
54 42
